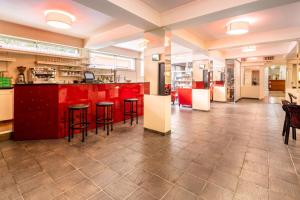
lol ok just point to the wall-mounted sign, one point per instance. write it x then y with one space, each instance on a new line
155 57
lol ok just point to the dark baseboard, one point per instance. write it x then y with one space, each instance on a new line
158 132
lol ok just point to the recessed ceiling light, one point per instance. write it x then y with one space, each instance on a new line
237 27
59 19
249 48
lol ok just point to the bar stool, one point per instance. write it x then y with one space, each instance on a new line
81 124
106 117
132 113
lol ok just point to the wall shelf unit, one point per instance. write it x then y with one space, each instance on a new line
3 59
58 63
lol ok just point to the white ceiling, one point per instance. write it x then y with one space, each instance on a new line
134 45
261 50
262 21
164 5
31 13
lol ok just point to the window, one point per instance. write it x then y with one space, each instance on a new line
108 61
125 63
14 43
102 61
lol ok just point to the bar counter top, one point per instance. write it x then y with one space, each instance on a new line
41 110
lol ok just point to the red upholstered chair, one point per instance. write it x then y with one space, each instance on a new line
285 104
173 96
293 121
185 96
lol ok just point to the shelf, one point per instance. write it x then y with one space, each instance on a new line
70 70
103 74
70 75
6 132
7 59
58 63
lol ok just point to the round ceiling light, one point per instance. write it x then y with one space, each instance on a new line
249 48
237 27
59 19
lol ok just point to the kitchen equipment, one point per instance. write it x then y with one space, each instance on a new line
42 75
21 76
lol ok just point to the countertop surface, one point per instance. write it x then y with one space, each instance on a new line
6 88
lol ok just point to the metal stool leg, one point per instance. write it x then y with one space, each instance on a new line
131 113
136 110
111 117
96 120
72 123
124 115
82 124
104 117
69 130
86 122
107 124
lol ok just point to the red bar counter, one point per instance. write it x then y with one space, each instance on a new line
40 110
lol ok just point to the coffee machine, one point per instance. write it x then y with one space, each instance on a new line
21 75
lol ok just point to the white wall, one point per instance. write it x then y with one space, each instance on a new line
151 68
253 91
197 70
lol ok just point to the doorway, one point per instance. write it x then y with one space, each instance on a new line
276 83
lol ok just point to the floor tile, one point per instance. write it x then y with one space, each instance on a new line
141 194
200 171
213 192
105 177
83 190
224 180
249 190
178 193
69 181
120 188
191 183
156 186
256 178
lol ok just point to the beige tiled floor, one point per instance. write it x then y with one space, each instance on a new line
235 151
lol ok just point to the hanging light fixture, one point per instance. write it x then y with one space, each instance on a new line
59 19
237 27
249 48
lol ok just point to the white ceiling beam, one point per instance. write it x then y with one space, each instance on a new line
205 11
282 35
133 12
114 36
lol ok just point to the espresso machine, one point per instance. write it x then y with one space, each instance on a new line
21 75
